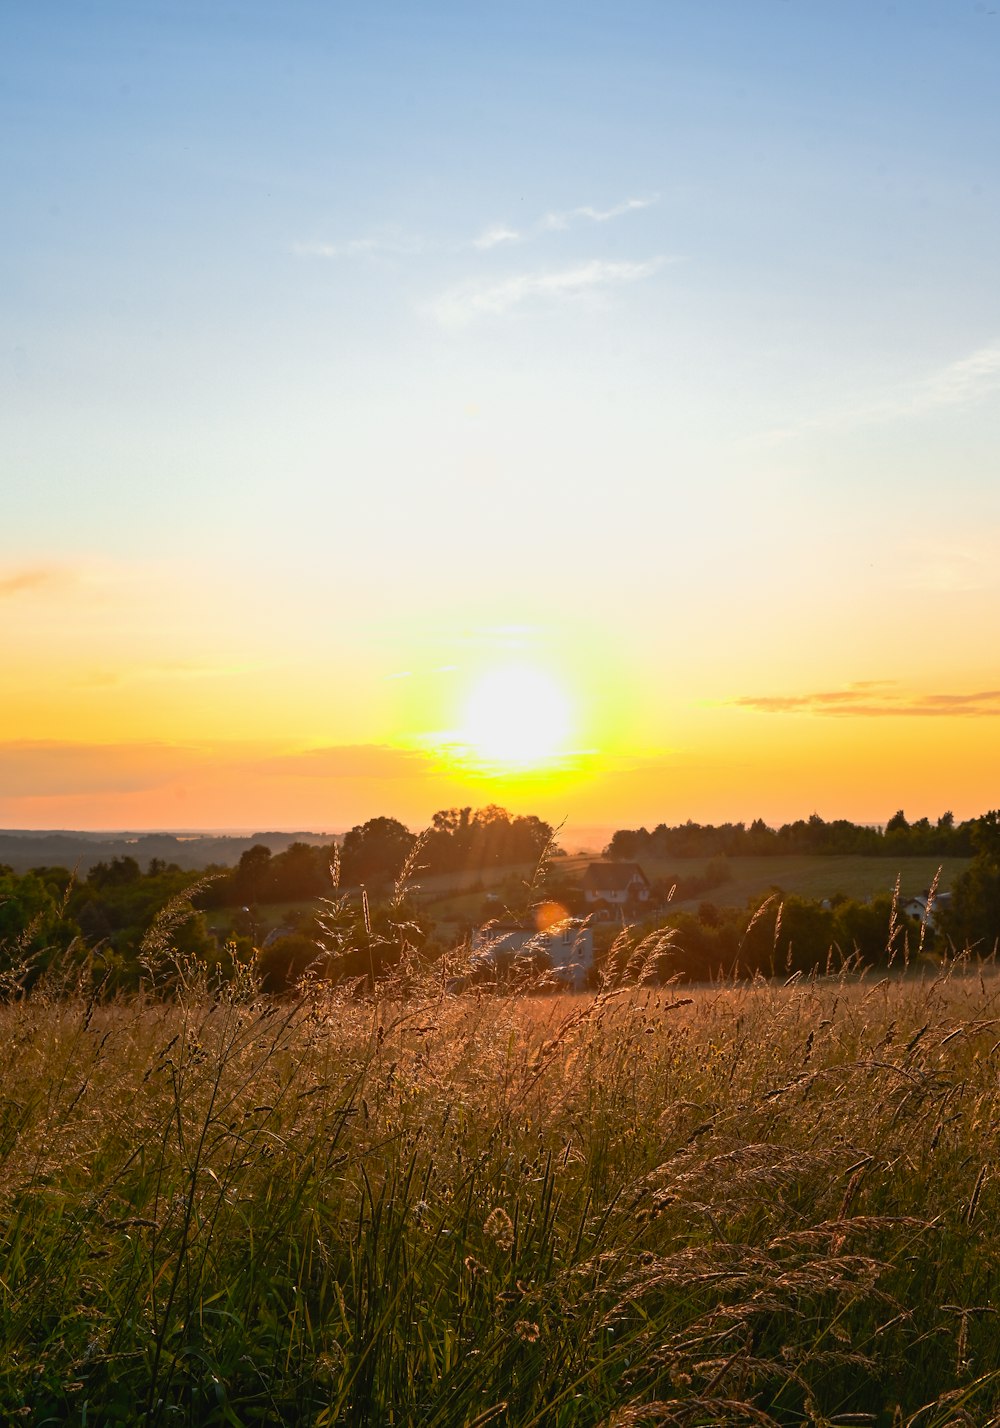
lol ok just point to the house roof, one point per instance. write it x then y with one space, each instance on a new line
612 877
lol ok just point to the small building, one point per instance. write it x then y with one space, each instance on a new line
926 908
616 884
566 948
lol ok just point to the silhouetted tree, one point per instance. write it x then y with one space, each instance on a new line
374 852
252 879
973 918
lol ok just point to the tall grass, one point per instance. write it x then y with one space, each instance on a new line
740 1205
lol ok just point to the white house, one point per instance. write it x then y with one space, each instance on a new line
567 946
925 908
615 883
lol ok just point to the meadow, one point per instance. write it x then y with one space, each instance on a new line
739 1204
453 906
806 875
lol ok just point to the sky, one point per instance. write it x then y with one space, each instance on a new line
591 408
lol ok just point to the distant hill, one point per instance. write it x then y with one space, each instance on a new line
22 849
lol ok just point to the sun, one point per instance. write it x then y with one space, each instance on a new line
516 717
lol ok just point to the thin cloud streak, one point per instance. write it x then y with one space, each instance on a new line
965 381
554 222
590 214
961 383
950 567
494 237
476 298
497 235
860 701
401 247
40 577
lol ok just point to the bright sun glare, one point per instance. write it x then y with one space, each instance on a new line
517 717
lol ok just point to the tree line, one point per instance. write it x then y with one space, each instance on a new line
788 933
813 835
375 853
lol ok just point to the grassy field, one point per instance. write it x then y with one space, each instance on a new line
750 878
743 1205
454 900
809 877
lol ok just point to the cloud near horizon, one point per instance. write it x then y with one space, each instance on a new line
37 577
864 701
462 304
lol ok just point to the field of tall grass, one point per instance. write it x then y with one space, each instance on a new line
753 1204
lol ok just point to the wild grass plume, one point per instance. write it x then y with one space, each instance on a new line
752 1204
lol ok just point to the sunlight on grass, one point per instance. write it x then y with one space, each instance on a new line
756 1204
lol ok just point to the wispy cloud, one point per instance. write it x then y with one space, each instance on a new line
588 214
965 381
391 243
950 567
494 237
557 222
960 383
877 699
38 577
477 298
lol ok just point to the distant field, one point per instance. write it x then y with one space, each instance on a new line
471 879
454 900
807 876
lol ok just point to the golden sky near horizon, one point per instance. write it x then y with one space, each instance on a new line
593 410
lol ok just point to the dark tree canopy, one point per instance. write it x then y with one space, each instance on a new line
812 835
974 915
374 852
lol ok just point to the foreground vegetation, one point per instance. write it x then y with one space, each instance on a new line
750 1204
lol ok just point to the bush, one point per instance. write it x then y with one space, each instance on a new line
283 963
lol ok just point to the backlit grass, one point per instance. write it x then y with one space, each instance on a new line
744 1205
